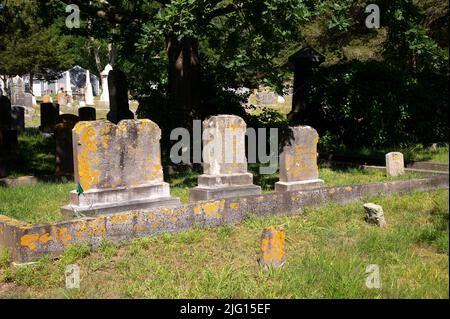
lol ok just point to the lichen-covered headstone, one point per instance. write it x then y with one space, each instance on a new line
273 253
374 214
118 167
49 117
224 163
395 165
298 161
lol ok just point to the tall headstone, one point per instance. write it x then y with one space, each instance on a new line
88 95
5 113
118 97
49 117
87 113
104 97
224 164
9 145
298 161
395 164
306 64
68 83
18 118
118 167
64 148
17 92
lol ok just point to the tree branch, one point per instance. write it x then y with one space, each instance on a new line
222 11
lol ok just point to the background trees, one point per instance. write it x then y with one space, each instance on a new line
183 58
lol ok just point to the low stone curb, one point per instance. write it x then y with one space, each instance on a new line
27 242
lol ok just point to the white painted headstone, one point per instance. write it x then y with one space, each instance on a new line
68 86
104 98
89 96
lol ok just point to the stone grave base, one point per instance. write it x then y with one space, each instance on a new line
120 199
205 193
298 186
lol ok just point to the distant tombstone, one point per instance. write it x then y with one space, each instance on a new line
89 95
306 63
49 117
64 148
104 97
87 113
266 98
61 96
17 91
298 161
5 113
18 118
68 83
395 164
118 167
28 100
118 97
224 164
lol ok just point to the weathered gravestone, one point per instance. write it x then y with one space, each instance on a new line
273 252
266 98
28 101
395 164
18 118
224 163
374 214
118 97
8 139
87 113
104 97
298 161
64 147
17 92
49 117
117 167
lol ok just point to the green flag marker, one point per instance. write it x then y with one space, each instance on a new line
79 189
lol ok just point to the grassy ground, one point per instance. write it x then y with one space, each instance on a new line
328 250
412 153
41 203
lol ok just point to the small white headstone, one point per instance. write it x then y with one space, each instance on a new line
395 164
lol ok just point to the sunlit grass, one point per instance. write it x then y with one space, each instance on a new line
328 250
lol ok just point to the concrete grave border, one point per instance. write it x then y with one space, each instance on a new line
27 242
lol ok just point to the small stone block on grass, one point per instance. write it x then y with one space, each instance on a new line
374 214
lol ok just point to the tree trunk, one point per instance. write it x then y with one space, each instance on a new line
31 83
184 79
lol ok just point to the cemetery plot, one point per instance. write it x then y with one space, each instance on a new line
327 252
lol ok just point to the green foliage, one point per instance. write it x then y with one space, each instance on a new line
380 104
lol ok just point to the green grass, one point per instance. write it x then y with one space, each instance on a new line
41 203
328 250
411 153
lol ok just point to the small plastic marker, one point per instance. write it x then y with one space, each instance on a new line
79 189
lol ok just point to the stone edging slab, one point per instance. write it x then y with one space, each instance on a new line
28 242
